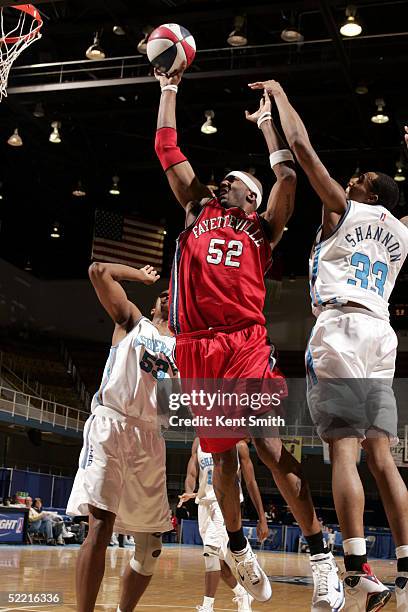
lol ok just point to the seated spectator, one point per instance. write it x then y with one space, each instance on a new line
39 523
57 522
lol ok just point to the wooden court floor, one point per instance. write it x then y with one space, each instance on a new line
177 584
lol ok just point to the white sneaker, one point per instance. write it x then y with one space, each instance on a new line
328 592
401 591
244 602
250 575
205 608
364 592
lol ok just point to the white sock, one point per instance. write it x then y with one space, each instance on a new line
355 546
401 552
118 609
208 602
239 590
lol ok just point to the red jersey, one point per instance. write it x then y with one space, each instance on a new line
218 272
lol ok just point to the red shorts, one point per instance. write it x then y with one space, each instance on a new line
214 354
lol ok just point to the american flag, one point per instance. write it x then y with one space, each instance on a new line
126 240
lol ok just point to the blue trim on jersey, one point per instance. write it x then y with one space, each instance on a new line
310 368
338 226
86 442
109 366
315 268
174 307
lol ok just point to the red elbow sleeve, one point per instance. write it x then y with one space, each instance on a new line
166 148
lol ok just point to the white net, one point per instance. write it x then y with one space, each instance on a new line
24 31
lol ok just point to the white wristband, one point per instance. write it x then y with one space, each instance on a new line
170 88
266 116
280 156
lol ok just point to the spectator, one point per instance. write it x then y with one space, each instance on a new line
39 523
57 522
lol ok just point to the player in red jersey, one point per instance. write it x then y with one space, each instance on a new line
217 299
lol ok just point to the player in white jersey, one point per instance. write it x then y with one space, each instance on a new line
350 359
121 480
211 522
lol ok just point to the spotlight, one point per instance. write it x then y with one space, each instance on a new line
38 111
95 51
208 127
351 27
291 34
15 139
79 190
400 173
118 30
361 88
55 232
142 45
27 266
55 136
212 185
114 190
237 38
380 117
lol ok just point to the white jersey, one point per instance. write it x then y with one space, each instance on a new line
360 261
135 364
205 493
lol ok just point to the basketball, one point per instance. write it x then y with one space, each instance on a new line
169 46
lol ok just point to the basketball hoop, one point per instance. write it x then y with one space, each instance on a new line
22 34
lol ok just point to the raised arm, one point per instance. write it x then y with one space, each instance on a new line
330 192
180 174
282 197
106 278
191 476
248 474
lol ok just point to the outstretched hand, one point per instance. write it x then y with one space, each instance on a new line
185 497
149 275
272 87
265 106
170 79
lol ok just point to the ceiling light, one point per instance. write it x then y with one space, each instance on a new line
38 111
208 127
400 173
27 266
114 190
237 38
361 89
142 45
351 27
55 136
55 232
380 117
292 35
212 185
15 139
79 190
118 30
95 51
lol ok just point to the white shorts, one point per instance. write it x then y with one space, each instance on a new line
212 528
350 363
122 469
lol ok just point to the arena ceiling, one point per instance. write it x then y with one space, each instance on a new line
108 109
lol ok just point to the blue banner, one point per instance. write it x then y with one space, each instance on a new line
12 525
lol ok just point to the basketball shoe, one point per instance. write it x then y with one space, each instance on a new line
364 592
250 575
401 591
328 591
205 608
244 602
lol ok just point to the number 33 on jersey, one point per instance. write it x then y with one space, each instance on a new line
360 261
